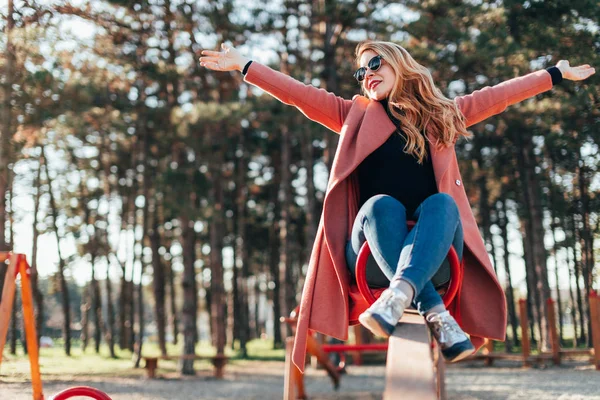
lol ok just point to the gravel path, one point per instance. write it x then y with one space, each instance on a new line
263 381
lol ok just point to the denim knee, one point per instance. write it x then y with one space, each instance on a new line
382 204
444 201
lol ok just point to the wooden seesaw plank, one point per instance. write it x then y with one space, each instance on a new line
410 369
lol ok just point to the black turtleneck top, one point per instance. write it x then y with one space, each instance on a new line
389 170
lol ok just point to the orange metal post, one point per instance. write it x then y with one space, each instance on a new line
289 384
487 350
554 342
8 296
595 316
298 382
358 339
30 331
524 331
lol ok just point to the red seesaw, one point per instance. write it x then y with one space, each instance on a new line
17 265
414 366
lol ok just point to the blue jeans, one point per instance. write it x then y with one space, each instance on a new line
413 256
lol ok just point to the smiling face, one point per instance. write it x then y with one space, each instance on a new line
377 84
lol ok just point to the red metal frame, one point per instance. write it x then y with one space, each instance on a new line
340 348
456 274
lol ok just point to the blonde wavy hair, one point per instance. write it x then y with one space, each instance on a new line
422 105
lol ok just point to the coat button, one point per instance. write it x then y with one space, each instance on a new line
457 182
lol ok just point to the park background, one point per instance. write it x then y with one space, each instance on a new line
184 202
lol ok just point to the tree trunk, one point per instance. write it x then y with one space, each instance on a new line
11 245
66 304
142 157
510 299
189 294
274 277
104 162
577 270
556 277
555 247
218 302
540 254
130 286
96 305
233 301
110 318
85 316
132 308
585 243
241 264
158 281
288 294
6 122
35 287
259 329
309 211
572 297
123 289
14 328
172 302
140 287
124 312
532 299
330 73
484 206
536 267
128 224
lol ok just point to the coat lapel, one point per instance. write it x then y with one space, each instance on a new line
440 158
374 129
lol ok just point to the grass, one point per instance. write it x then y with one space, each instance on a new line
55 365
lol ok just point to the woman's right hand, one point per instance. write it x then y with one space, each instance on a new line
229 59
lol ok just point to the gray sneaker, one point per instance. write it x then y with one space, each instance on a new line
383 315
452 339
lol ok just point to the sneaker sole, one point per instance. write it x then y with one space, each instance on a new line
461 355
370 322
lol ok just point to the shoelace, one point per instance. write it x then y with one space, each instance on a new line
388 300
446 327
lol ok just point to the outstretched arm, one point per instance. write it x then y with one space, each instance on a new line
317 104
492 100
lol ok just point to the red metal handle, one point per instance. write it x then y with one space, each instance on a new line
361 273
81 391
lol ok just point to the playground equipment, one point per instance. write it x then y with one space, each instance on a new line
218 361
556 354
17 265
414 365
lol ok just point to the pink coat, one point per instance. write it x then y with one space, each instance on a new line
363 126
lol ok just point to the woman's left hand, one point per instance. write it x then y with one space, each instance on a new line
575 73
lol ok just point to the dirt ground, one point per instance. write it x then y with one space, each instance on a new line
264 381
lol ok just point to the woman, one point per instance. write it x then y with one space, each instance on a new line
396 161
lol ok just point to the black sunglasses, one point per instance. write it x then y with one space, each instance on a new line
373 64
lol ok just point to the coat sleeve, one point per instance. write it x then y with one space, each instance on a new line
492 100
317 104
